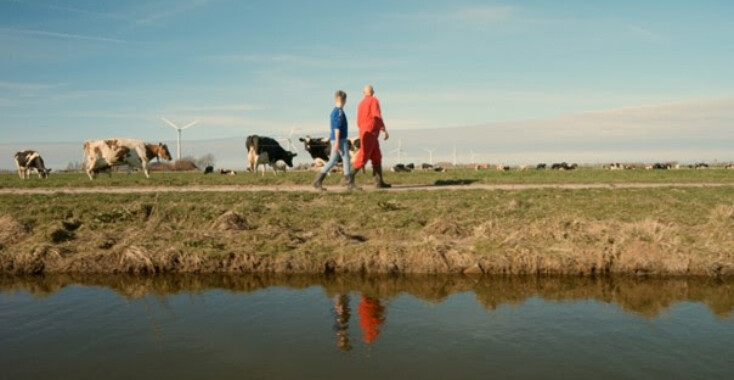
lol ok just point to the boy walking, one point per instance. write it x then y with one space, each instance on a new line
339 143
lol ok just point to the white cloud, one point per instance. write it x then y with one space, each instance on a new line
477 14
27 87
57 35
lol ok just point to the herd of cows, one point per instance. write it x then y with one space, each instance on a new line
101 156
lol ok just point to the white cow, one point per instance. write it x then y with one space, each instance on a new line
101 155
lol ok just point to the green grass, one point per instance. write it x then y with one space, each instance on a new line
532 176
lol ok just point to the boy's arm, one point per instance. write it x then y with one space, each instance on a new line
335 124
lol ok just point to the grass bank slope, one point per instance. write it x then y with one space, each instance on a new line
672 231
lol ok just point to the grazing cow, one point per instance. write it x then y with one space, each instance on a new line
227 172
564 166
701 165
30 160
502 167
101 155
209 169
400 168
320 148
266 151
425 166
616 166
541 166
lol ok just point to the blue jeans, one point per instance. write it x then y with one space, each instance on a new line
343 152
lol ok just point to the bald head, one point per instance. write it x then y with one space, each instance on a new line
368 90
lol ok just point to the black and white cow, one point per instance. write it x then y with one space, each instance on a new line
30 160
320 148
266 151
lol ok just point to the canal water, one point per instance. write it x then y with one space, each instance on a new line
278 327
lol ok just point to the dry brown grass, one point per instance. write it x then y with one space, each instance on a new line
545 232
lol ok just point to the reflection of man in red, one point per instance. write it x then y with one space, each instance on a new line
371 316
370 123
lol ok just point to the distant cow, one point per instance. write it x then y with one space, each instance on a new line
401 168
30 160
503 168
425 166
101 155
209 169
541 166
564 166
266 151
227 172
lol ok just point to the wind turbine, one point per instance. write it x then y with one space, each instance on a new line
289 140
454 153
399 151
430 155
178 134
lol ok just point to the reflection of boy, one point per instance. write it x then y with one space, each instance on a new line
371 316
341 321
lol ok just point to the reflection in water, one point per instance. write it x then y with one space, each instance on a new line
342 312
645 296
371 316
462 327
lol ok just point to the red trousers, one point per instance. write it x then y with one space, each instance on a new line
369 151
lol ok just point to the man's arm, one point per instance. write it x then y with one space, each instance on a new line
377 114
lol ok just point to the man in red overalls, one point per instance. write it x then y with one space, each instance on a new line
370 123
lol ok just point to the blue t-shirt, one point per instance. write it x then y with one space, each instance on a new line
338 121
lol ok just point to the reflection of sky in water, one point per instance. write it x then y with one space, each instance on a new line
276 332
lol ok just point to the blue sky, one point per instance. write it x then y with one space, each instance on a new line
77 69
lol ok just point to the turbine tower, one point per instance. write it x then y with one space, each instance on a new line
430 155
399 152
178 134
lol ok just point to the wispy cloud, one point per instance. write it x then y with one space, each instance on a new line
477 14
644 33
221 108
80 11
27 87
156 17
270 58
58 35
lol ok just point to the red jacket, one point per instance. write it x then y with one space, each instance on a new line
369 116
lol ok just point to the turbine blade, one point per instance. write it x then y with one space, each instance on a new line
174 126
191 124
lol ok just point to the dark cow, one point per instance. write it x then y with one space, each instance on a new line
564 166
209 169
541 166
320 148
401 168
227 172
266 151
425 166
30 160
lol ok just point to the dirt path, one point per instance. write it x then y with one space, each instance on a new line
306 188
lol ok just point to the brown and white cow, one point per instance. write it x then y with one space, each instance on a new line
30 160
103 154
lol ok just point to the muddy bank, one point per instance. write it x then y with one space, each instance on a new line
646 296
541 232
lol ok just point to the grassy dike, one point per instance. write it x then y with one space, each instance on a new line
675 231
